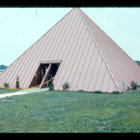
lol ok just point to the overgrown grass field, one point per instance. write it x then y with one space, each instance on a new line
62 112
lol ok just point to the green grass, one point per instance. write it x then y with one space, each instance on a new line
56 111
3 90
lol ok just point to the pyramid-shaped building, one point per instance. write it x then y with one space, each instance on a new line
77 51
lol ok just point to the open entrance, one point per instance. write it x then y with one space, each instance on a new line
45 71
50 73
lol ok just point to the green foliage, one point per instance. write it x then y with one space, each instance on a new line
51 85
2 67
98 92
115 92
17 83
80 90
138 62
65 86
133 85
6 85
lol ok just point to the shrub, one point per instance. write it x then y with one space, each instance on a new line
17 83
65 86
6 85
133 85
81 90
115 92
98 92
51 85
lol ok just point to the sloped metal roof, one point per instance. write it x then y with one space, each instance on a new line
90 59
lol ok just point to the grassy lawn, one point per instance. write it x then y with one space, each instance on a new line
3 91
56 111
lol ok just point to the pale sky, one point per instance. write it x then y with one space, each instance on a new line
22 27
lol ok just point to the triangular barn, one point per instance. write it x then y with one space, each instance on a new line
77 51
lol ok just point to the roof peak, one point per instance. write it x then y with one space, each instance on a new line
76 9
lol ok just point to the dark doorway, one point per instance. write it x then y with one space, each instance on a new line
44 67
44 73
50 73
53 70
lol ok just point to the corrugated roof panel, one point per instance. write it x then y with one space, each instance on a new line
73 33
67 37
55 45
111 86
103 77
88 66
84 63
72 65
76 61
105 81
75 47
91 68
95 73
100 77
113 50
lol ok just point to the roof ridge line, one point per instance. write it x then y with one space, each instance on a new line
99 51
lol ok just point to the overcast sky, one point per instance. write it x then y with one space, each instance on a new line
22 27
